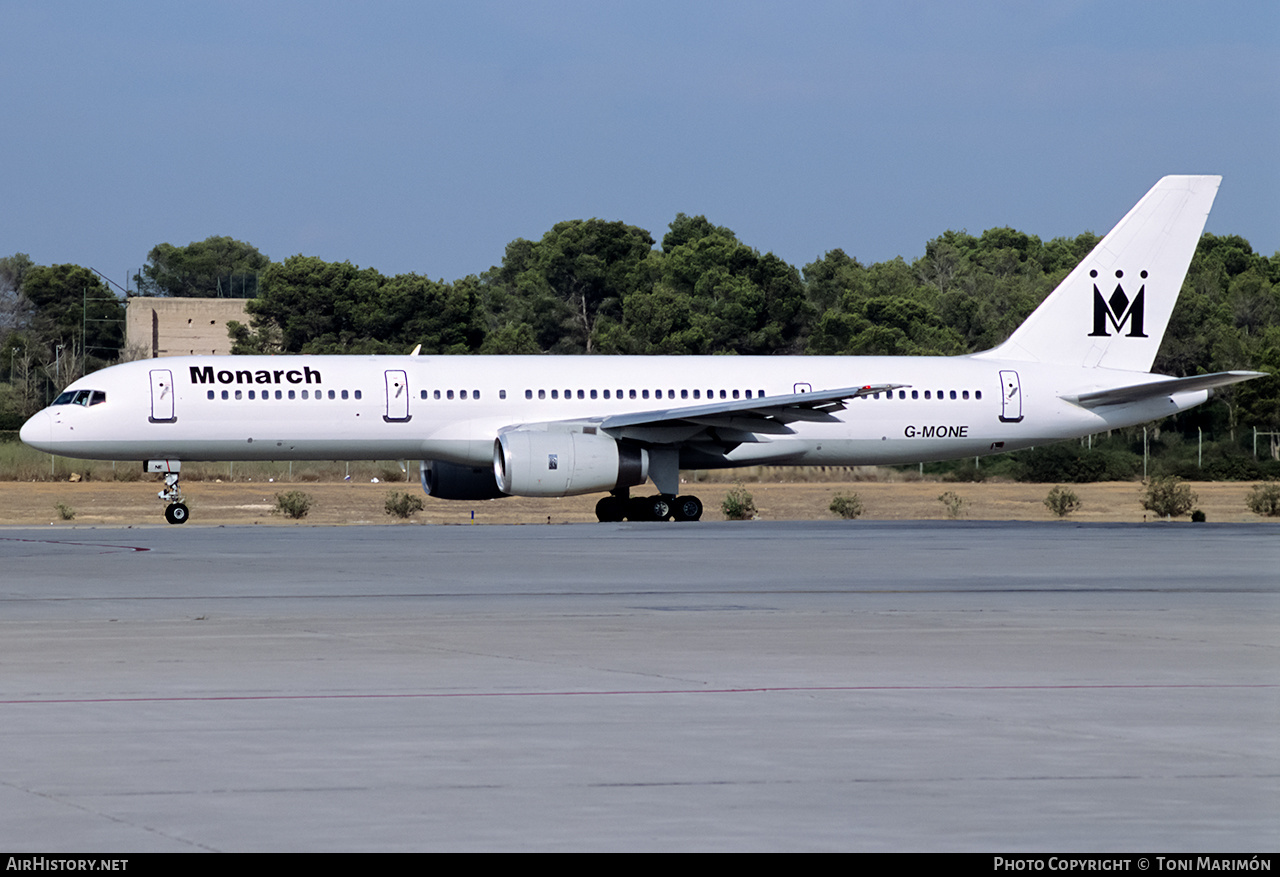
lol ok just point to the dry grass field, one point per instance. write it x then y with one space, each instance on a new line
245 503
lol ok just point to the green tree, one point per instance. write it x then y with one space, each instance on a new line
73 308
569 286
711 293
13 270
15 309
307 305
215 267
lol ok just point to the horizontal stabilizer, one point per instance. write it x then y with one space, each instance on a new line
1164 387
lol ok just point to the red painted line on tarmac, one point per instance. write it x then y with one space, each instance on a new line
633 692
68 542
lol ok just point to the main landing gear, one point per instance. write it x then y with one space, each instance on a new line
662 507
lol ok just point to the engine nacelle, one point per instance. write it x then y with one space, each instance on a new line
456 481
530 462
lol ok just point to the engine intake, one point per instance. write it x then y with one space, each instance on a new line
530 462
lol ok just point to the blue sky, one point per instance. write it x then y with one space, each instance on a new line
425 136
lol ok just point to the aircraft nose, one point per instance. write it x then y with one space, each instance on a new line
37 431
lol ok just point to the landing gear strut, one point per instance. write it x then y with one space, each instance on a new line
663 507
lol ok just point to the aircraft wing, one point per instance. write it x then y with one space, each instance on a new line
1155 389
737 420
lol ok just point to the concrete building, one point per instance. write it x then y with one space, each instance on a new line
182 326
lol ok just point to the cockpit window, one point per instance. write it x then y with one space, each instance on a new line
81 397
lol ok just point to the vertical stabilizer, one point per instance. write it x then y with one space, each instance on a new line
1111 311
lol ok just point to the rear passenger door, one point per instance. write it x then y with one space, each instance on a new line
1011 397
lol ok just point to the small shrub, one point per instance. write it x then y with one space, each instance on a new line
65 512
403 505
1198 517
738 505
1168 497
1062 501
846 505
294 504
954 504
1264 499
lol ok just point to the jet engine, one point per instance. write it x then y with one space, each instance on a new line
529 462
458 481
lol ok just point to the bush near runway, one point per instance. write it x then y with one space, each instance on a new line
100 503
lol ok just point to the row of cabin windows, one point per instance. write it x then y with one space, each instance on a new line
928 394
284 394
83 397
462 394
641 394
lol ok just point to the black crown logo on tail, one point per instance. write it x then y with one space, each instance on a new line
1117 310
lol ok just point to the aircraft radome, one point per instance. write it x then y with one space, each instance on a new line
492 426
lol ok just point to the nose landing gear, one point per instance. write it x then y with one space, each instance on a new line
176 511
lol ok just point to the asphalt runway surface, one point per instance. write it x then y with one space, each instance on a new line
743 686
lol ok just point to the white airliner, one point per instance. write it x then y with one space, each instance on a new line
491 426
